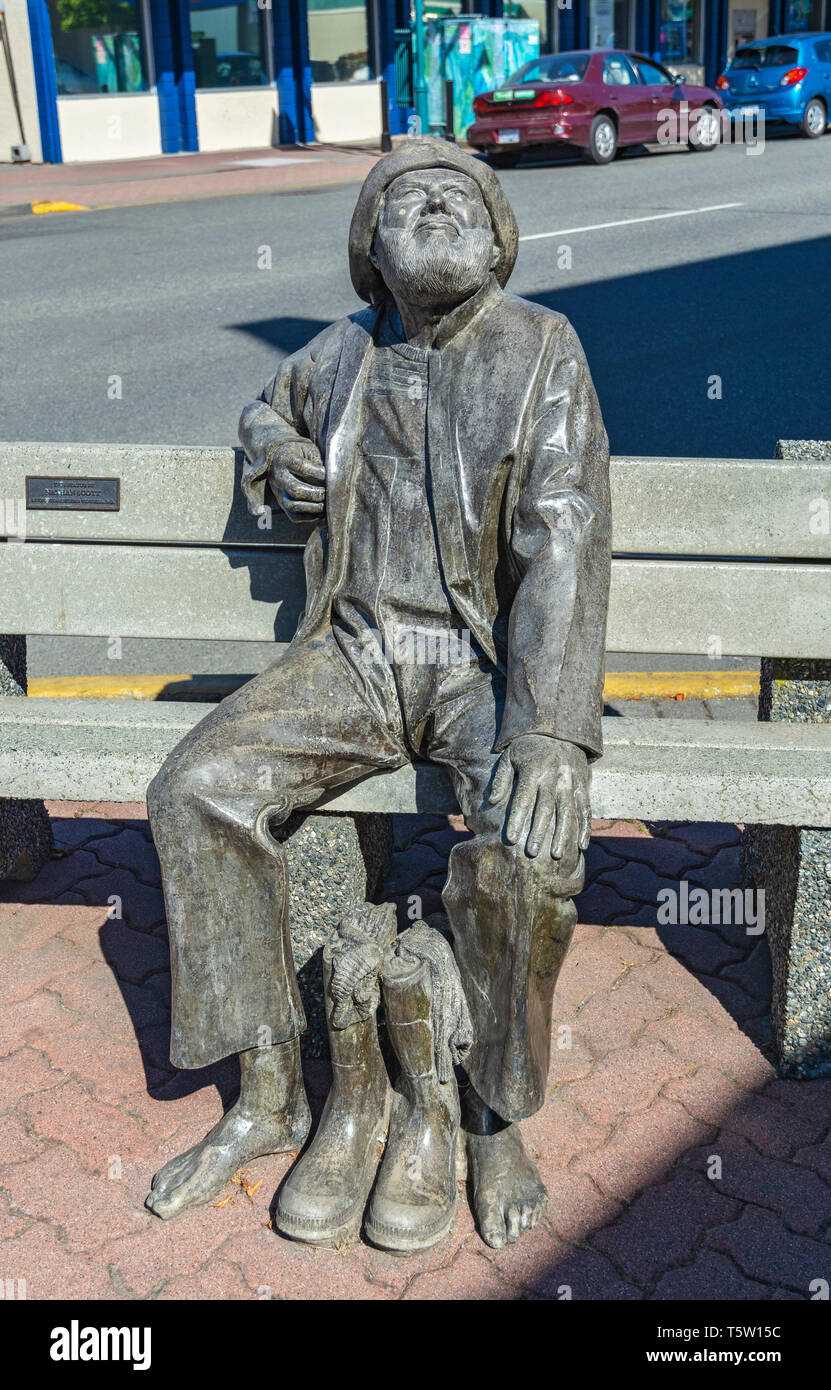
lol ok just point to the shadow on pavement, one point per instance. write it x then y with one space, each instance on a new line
656 339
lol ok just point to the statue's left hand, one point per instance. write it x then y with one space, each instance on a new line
550 803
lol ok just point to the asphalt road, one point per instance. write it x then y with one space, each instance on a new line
668 297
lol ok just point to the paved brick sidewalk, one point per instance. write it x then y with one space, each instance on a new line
167 177
668 1069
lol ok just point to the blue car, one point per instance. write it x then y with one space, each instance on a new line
787 77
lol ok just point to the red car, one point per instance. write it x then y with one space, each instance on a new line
597 102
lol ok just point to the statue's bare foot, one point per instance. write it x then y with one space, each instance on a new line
199 1174
271 1117
508 1192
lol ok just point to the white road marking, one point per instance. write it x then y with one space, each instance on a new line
629 221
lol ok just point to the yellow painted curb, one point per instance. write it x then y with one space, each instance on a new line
102 687
620 685
44 206
680 685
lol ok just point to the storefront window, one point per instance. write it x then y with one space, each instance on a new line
229 43
99 46
745 24
442 9
529 9
609 23
339 41
803 16
679 35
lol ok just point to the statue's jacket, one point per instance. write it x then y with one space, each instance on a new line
519 469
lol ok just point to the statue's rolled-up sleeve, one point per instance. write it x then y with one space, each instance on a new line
560 542
281 413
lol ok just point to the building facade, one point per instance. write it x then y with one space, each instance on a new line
110 79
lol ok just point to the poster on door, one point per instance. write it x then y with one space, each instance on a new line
602 24
744 27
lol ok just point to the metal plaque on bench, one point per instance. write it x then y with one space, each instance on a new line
73 494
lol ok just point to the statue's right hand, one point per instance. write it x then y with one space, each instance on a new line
297 478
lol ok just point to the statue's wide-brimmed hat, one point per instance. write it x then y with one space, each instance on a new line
425 152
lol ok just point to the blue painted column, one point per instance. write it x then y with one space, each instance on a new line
391 15
46 87
185 74
293 71
548 44
175 83
777 17
573 25
715 39
646 26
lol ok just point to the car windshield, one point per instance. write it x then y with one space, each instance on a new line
558 67
774 55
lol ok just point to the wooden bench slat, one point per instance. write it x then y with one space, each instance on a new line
102 750
747 507
669 606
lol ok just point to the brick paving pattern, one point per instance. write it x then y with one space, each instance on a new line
660 1071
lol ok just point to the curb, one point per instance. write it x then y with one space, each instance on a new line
619 685
39 208
15 210
164 687
680 685
43 205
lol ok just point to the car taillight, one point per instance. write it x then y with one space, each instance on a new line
481 105
722 83
553 98
791 78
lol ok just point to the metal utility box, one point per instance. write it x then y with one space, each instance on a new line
477 54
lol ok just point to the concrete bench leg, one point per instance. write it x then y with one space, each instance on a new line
794 868
335 863
25 832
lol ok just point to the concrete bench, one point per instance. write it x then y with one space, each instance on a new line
718 557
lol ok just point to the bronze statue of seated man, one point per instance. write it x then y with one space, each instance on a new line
448 442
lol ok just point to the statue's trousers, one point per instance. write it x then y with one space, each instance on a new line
512 920
297 730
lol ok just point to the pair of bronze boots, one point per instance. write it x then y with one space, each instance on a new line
409 1201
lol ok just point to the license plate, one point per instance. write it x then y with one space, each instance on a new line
507 137
745 111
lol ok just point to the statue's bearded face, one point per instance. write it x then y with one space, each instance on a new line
434 243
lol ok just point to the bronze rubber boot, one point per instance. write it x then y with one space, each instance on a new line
323 1199
413 1204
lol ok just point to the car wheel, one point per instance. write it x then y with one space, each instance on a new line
504 159
814 119
704 135
602 141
